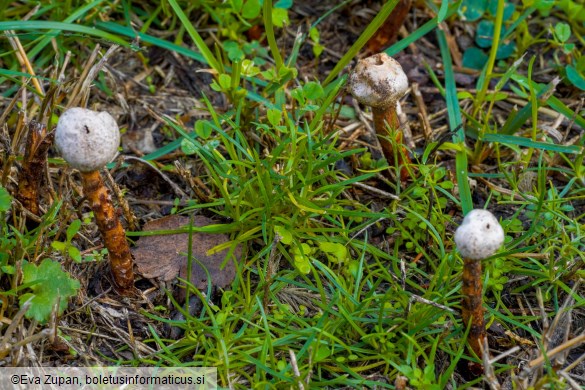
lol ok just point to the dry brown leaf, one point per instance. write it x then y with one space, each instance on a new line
164 256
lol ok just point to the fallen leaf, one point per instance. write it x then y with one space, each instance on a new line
164 256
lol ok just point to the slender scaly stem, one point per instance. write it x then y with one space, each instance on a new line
111 230
471 305
387 119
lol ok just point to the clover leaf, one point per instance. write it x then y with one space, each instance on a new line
49 285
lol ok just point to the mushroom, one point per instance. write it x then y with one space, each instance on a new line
378 81
478 237
88 140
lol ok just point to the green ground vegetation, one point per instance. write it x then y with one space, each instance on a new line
348 278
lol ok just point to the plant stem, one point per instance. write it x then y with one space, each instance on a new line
111 229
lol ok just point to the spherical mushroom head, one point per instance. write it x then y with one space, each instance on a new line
378 81
479 236
87 139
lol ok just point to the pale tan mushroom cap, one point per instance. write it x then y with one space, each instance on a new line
87 139
378 81
479 235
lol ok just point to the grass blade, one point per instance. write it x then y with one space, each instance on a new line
61 26
52 34
552 101
199 42
420 32
456 125
521 141
131 33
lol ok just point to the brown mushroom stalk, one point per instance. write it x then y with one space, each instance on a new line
111 229
379 82
88 140
472 304
387 33
479 236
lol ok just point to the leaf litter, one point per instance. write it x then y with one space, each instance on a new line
164 256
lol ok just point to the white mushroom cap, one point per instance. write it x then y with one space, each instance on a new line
378 81
87 139
479 236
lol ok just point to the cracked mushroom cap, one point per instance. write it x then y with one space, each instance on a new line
87 139
479 235
378 81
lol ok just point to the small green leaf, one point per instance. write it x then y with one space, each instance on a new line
304 249
237 5
313 90
347 112
484 35
280 17
50 286
298 95
304 267
225 81
286 72
314 34
318 49
73 229
251 9
562 32
5 200
274 116
568 47
188 146
74 253
337 250
268 74
473 9
474 58
462 95
322 353
248 68
575 77
544 5
59 246
505 50
496 96
233 50
285 235
286 4
203 129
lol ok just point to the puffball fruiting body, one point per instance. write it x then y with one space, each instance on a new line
87 139
479 236
378 81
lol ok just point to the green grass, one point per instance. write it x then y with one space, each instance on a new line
334 279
